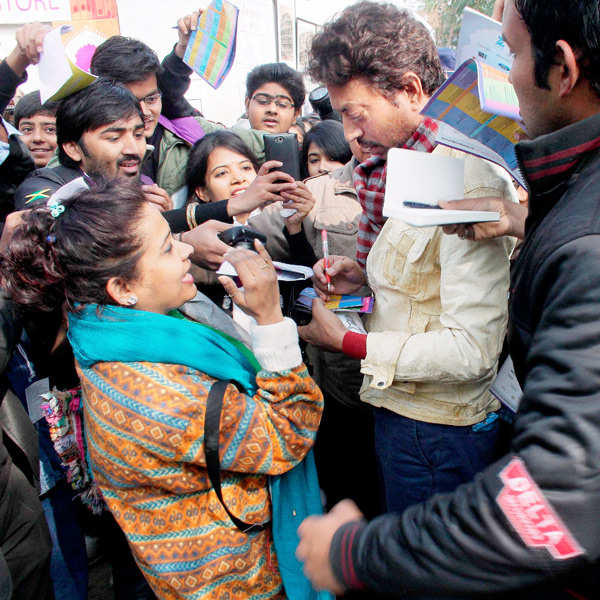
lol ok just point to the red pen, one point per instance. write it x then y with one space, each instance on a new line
326 257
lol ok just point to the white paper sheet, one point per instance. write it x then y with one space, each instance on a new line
59 77
427 179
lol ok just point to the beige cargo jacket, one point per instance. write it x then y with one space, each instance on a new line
440 313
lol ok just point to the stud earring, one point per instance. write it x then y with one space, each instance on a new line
131 300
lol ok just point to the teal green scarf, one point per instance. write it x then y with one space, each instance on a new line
117 334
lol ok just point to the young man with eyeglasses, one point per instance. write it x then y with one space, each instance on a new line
274 97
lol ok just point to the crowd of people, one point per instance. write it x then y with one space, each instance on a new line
215 447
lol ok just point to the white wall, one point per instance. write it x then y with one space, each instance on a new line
151 21
255 45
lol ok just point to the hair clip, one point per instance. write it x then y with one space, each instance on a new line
56 208
66 192
51 238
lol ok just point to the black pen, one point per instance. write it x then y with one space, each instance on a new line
420 205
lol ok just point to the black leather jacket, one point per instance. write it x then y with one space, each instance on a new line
528 525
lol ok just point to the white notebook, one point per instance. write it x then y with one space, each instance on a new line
427 179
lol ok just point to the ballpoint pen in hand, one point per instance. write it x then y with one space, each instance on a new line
326 257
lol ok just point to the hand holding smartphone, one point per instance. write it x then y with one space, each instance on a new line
284 148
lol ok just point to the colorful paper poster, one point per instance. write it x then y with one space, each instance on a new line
211 49
470 102
59 76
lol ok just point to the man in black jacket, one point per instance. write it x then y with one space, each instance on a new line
527 525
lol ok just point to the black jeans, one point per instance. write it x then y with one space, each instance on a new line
128 581
25 540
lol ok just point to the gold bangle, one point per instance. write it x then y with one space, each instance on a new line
190 215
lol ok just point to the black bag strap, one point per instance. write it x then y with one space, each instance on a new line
212 421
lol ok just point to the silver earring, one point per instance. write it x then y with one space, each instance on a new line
131 300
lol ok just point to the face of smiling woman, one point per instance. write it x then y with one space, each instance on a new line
228 174
163 282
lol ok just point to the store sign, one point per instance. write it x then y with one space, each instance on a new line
27 11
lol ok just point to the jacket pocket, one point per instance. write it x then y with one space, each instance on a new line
408 264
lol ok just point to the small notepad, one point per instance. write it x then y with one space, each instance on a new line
423 178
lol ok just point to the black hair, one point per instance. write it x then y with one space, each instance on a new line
30 105
329 136
577 23
195 173
72 257
125 60
279 73
101 103
378 42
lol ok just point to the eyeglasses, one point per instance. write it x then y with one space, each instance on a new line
151 99
282 102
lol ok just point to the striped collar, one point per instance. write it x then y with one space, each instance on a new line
549 161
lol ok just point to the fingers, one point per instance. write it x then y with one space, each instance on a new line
182 26
217 226
249 265
30 39
319 270
304 528
347 509
337 265
450 229
486 203
192 23
299 194
188 23
262 252
232 290
521 136
269 166
157 195
280 177
279 188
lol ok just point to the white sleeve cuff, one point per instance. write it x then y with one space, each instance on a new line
276 346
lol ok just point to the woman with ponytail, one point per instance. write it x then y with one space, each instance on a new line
147 371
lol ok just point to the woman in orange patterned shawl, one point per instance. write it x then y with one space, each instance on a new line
146 372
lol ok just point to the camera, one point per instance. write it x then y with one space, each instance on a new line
241 236
319 100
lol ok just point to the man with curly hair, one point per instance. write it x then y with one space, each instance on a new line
435 334
526 527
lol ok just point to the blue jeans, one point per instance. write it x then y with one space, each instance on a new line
418 460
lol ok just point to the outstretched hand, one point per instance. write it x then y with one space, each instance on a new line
264 190
303 201
158 196
316 534
28 51
345 274
325 330
259 295
511 222
185 26
209 250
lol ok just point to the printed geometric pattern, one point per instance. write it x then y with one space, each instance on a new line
144 426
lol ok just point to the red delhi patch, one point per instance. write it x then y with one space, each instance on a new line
531 514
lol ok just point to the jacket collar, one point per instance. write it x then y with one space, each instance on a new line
549 161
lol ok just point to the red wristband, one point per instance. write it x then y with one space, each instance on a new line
355 344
